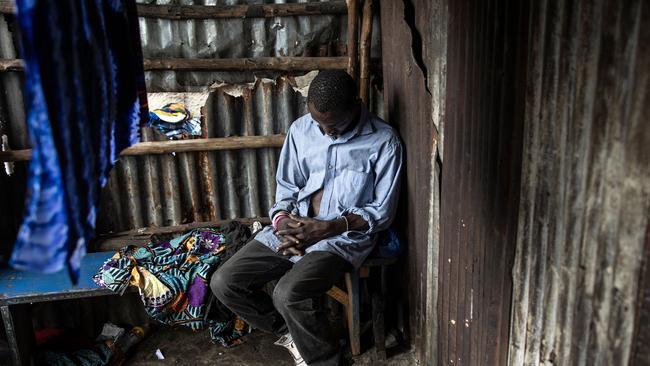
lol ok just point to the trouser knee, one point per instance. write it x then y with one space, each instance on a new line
220 284
284 295
280 296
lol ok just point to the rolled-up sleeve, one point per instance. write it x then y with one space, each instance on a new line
380 212
288 178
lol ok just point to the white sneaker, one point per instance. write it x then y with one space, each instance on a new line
286 341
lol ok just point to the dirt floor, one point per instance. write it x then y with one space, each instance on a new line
183 347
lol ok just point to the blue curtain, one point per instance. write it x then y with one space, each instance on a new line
85 100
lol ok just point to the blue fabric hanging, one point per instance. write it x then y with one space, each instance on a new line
85 98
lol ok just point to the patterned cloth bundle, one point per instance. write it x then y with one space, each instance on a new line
173 280
175 121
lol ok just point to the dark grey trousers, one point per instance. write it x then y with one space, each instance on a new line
295 304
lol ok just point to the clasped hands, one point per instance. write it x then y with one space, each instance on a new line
298 233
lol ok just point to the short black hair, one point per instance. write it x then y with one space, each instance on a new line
332 91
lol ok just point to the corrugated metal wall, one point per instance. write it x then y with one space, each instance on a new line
585 198
640 352
168 190
414 62
480 179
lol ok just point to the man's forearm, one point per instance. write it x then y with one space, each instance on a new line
357 223
354 223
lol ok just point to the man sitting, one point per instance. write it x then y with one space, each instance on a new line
337 185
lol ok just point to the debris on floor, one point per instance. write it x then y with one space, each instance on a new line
110 331
159 354
183 347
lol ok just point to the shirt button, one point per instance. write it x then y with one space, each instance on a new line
330 167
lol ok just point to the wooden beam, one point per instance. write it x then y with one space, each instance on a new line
232 64
142 236
180 12
211 144
11 65
15 155
164 147
242 64
7 7
338 295
353 24
364 53
239 11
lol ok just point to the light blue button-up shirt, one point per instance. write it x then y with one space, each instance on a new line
359 172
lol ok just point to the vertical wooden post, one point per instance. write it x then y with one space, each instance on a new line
364 53
353 27
353 308
210 204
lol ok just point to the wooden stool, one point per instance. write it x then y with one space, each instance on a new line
351 300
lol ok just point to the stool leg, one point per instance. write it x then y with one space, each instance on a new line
378 326
354 321
378 323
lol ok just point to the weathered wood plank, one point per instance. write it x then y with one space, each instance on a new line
7 7
181 12
207 144
243 64
165 147
142 236
11 65
338 295
364 51
290 64
16 155
353 43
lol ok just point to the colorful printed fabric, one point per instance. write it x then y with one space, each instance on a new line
84 97
175 121
173 280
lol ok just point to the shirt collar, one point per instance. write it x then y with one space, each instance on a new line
364 126
365 123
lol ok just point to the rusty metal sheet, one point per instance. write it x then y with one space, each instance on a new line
149 166
170 190
480 179
323 35
130 198
408 107
585 194
640 353
207 176
242 182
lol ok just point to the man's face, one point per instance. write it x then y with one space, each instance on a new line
334 123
